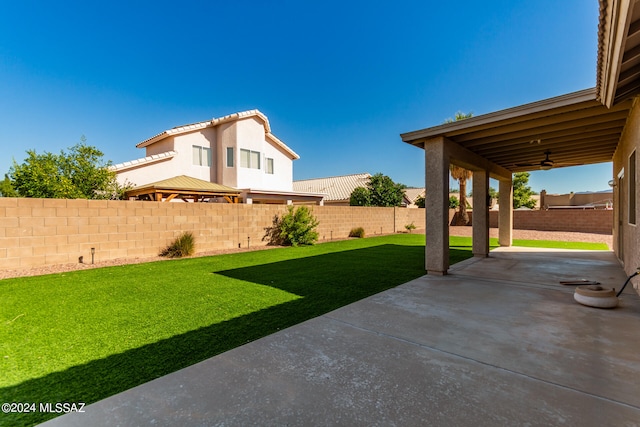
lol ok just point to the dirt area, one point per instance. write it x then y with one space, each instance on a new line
453 231
543 235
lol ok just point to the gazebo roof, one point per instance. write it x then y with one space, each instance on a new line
184 187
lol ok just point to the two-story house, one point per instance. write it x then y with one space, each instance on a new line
237 151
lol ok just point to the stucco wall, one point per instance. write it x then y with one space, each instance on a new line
227 137
627 236
40 232
246 134
149 173
180 164
251 136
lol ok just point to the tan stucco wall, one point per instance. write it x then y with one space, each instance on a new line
627 236
41 232
228 137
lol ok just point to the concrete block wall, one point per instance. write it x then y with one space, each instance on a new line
42 232
574 220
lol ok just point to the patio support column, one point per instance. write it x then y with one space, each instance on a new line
505 213
480 221
437 203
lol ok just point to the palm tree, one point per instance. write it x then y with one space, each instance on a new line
461 175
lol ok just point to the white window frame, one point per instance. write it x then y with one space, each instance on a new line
249 159
268 165
201 156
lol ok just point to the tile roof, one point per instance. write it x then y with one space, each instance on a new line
336 187
412 193
178 130
143 161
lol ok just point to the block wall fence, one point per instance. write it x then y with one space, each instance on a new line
44 232
598 221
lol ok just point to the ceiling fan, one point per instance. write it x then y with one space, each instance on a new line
546 164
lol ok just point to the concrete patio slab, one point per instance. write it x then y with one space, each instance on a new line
497 342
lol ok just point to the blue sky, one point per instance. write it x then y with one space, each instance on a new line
339 80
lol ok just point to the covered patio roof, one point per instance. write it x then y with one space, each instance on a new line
618 51
575 128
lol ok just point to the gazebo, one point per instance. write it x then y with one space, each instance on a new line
185 188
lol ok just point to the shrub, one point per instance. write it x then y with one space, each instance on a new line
298 227
273 233
453 202
410 227
183 245
357 232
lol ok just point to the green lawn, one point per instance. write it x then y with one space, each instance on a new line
85 335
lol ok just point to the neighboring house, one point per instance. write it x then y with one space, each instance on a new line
237 151
595 125
411 195
580 200
338 189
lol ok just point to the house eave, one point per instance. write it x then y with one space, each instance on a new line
180 130
568 100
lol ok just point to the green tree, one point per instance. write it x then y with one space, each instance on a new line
521 191
420 201
461 175
459 116
493 193
453 202
380 191
79 174
384 192
360 197
6 189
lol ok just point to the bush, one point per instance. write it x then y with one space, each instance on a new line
453 202
273 233
410 227
357 232
296 227
182 246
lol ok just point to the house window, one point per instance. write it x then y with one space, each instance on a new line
229 157
249 159
201 156
632 188
268 165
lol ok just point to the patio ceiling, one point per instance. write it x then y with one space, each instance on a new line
618 50
576 128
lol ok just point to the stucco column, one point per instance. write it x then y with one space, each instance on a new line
437 205
505 214
480 217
